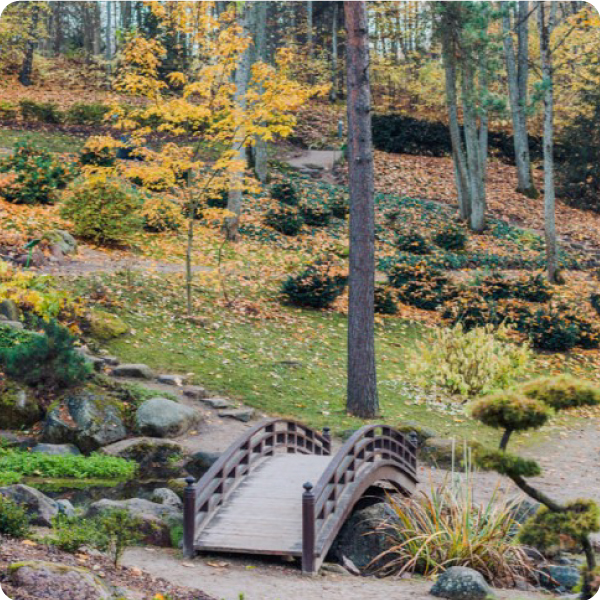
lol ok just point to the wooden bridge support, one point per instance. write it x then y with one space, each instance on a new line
309 530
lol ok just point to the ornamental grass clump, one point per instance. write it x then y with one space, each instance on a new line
468 363
447 528
555 524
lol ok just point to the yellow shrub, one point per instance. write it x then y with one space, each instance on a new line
162 214
468 363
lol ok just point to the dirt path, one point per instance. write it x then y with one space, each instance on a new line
252 579
323 159
570 459
89 261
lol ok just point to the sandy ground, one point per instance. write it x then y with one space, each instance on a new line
249 579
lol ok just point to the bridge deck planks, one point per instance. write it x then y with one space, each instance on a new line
264 515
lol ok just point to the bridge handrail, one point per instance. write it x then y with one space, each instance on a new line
365 446
203 498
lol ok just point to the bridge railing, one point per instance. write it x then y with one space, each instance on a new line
203 499
372 444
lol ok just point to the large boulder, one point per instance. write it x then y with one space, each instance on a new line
135 371
200 462
156 520
461 583
560 578
157 458
62 240
105 326
19 409
160 417
56 449
10 310
86 420
39 507
45 580
364 536
423 432
167 497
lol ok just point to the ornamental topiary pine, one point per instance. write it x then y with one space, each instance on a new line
530 408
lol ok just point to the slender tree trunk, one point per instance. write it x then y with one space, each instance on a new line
309 27
234 202
517 92
97 29
546 25
127 15
57 27
27 67
334 51
458 153
523 80
261 148
484 117
362 397
474 163
108 39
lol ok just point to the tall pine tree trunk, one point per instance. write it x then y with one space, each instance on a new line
362 397
27 66
546 25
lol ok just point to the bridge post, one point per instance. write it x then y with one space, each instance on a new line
308 530
327 436
189 517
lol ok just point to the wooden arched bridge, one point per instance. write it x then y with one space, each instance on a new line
259 497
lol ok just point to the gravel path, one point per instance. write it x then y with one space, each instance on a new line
264 580
89 261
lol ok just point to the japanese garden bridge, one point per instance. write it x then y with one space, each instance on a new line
258 497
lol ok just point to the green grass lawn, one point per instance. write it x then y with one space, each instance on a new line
50 141
293 365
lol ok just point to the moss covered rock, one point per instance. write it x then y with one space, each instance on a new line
89 421
40 579
103 325
18 407
61 239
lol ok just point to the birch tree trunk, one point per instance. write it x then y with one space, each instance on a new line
362 399
546 25
234 201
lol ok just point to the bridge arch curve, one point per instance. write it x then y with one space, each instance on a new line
251 501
